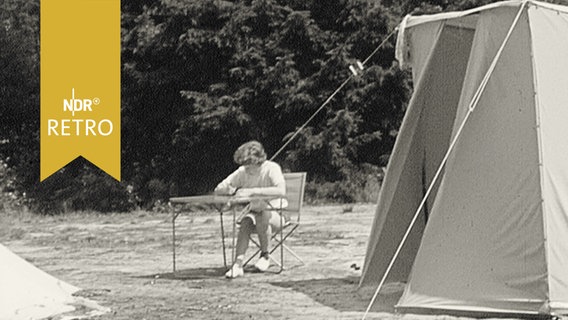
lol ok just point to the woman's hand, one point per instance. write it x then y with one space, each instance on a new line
244 192
225 190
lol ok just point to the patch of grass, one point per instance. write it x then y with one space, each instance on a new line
17 234
348 208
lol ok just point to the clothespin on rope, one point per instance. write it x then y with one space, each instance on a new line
355 71
359 68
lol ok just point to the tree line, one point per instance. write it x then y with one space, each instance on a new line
200 77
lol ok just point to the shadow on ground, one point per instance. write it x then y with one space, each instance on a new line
344 294
190 274
251 273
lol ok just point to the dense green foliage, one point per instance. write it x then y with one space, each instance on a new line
200 77
215 74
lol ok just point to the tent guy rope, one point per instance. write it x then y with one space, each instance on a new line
354 72
471 108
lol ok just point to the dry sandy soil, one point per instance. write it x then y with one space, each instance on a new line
124 262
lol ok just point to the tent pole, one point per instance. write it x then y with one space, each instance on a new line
471 107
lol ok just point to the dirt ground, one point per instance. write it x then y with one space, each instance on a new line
124 262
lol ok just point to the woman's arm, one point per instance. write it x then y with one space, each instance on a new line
229 185
266 191
277 188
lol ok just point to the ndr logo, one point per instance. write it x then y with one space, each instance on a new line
82 126
77 105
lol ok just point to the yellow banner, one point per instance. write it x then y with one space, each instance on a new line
80 84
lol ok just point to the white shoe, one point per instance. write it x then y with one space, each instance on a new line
262 264
234 272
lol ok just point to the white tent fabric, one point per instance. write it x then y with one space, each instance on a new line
494 233
551 46
27 292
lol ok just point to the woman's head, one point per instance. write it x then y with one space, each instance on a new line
250 153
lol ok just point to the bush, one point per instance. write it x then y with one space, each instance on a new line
80 187
101 193
10 197
361 184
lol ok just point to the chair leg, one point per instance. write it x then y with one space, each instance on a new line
281 232
293 253
277 263
279 243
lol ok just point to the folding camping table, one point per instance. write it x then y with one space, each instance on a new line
222 203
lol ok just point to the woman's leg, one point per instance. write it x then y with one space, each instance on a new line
266 223
245 230
263 229
275 221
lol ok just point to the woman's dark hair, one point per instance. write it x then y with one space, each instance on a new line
251 152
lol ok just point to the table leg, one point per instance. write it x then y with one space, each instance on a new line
223 238
174 240
281 238
233 246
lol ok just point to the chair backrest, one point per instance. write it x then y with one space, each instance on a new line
295 184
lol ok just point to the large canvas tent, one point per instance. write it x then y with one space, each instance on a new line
27 292
480 165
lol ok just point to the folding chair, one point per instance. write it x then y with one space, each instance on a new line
295 183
